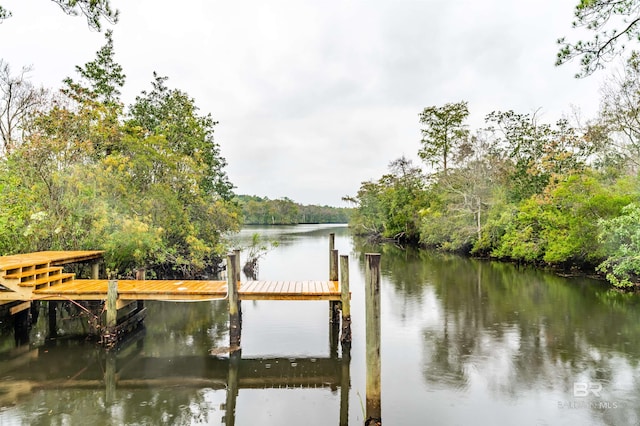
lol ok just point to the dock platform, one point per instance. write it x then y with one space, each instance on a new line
30 278
191 290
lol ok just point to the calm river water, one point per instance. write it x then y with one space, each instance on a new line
464 342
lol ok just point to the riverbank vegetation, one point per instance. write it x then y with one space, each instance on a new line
562 194
80 170
263 211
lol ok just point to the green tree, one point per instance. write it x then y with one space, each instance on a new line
96 93
94 10
100 79
560 226
612 22
85 178
621 235
174 115
445 131
535 150
461 198
391 207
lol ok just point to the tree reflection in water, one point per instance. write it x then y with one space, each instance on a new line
516 332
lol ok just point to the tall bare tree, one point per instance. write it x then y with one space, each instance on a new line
620 111
18 99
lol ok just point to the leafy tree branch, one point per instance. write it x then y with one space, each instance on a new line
612 21
94 10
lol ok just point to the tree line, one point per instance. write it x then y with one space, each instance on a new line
80 170
520 189
263 211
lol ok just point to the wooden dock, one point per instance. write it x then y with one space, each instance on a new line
190 290
35 277
41 276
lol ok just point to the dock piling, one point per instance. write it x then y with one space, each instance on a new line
110 378
236 252
52 318
334 307
234 311
141 274
95 271
112 298
372 303
345 301
232 388
345 385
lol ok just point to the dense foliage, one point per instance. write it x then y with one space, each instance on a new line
519 189
263 211
146 183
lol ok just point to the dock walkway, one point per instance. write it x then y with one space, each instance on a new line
191 290
40 276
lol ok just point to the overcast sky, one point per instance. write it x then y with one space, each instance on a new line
314 97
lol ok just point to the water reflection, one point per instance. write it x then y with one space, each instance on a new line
463 342
164 376
76 380
519 334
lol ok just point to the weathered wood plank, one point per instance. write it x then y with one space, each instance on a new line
19 308
44 257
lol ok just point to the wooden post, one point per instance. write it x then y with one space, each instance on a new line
141 274
372 302
94 306
236 252
21 326
345 385
234 313
334 316
112 298
95 271
332 265
334 336
232 388
238 279
53 316
346 301
110 378
333 273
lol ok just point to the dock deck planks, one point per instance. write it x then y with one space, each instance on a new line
52 257
178 290
39 276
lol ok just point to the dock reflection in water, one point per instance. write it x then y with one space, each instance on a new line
109 379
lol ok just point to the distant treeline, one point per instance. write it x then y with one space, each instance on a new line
263 211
